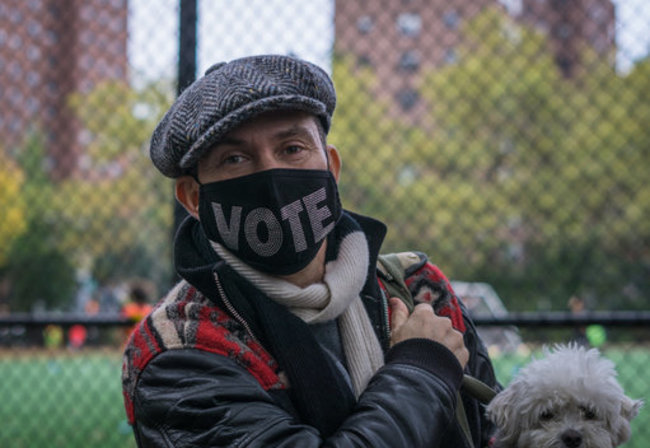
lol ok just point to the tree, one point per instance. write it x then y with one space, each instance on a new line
362 130
554 158
525 178
12 205
121 209
37 271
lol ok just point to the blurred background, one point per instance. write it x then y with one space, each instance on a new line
508 139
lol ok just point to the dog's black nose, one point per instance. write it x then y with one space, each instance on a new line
571 438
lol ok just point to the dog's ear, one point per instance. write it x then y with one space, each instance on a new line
621 426
630 408
502 411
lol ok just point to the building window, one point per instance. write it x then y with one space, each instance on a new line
32 105
15 16
34 28
564 31
87 37
15 42
599 14
410 61
451 19
407 98
34 5
33 78
365 24
409 24
33 53
363 60
451 57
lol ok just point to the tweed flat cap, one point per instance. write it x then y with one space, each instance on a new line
230 94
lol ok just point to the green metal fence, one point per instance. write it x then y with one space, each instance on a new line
61 395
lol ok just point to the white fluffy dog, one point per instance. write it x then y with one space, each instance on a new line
568 399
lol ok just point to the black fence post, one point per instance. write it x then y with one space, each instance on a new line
187 45
186 75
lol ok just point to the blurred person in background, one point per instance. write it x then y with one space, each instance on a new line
593 335
137 306
285 330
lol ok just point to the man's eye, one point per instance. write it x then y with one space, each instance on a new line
293 149
233 159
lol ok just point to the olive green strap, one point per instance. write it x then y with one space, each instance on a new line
390 268
461 417
477 389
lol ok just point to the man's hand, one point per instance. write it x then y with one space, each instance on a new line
424 323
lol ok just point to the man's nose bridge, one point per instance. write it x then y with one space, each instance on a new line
267 159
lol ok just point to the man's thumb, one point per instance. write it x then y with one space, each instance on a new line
399 311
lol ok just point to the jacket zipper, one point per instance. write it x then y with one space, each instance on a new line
232 310
384 307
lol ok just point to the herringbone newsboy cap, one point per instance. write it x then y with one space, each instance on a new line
228 95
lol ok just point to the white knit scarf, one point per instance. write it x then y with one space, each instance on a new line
336 297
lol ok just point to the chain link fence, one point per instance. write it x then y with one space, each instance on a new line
507 139
58 393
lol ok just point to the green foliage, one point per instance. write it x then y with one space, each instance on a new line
40 276
12 205
361 131
120 213
36 270
119 118
525 179
114 216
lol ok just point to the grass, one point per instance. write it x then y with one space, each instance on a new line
69 400
62 400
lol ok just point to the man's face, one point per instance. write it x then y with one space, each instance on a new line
285 139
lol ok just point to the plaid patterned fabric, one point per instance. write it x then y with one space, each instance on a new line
427 284
186 319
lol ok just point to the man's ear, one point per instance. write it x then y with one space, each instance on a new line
187 193
334 161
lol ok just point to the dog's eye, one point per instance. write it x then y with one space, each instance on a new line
546 415
588 414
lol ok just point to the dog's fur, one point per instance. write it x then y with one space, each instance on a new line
568 399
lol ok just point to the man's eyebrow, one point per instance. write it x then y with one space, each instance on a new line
230 141
296 130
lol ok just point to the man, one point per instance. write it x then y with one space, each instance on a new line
279 333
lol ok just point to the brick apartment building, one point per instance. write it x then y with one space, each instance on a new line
52 48
48 50
400 39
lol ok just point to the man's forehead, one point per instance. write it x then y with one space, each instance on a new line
275 124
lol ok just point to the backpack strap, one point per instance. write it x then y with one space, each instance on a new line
393 270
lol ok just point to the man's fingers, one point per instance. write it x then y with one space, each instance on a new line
400 313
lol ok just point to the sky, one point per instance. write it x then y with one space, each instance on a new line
228 29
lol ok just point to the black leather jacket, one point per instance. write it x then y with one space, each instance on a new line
191 398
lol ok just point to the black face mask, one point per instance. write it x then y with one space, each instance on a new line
274 220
